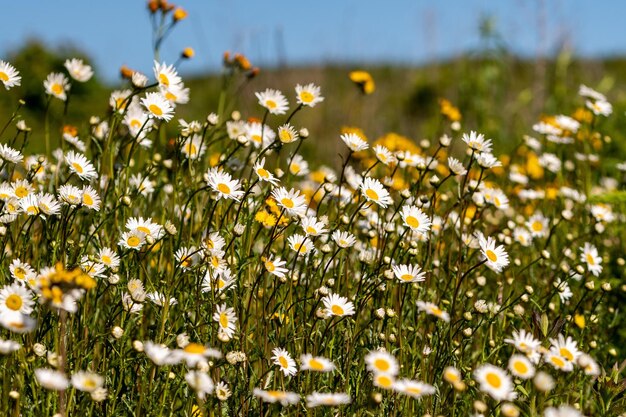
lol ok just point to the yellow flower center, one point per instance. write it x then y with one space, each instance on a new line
3 76
537 226
316 365
223 188
295 168
270 266
19 272
14 302
381 365
306 97
558 362
436 311
32 210
287 202
285 136
90 383
271 104
520 367
311 230
57 88
78 167
170 96
120 103
223 320
590 259
257 138
87 200
220 283
414 390
163 79
566 354
412 222
406 277
143 229
262 172
384 381
156 110
105 259
135 123
133 241
491 255
190 149
493 379
194 348
337 310
451 377
21 192
283 362
371 194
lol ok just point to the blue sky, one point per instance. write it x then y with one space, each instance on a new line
116 32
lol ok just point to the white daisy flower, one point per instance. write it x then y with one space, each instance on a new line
354 142
408 273
9 75
284 361
335 305
273 100
477 142
78 70
316 363
496 257
223 184
374 191
57 85
9 154
158 106
414 218
433 309
379 361
495 382
308 95
80 165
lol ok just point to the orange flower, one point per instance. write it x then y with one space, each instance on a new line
126 72
242 62
70 130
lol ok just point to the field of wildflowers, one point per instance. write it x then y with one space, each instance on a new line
218 272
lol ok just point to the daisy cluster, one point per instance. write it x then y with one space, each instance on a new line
174 267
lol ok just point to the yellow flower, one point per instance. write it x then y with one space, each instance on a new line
579 319
533 168
364 81
583 115
188 53
356 130
395 142
451 112
180 14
